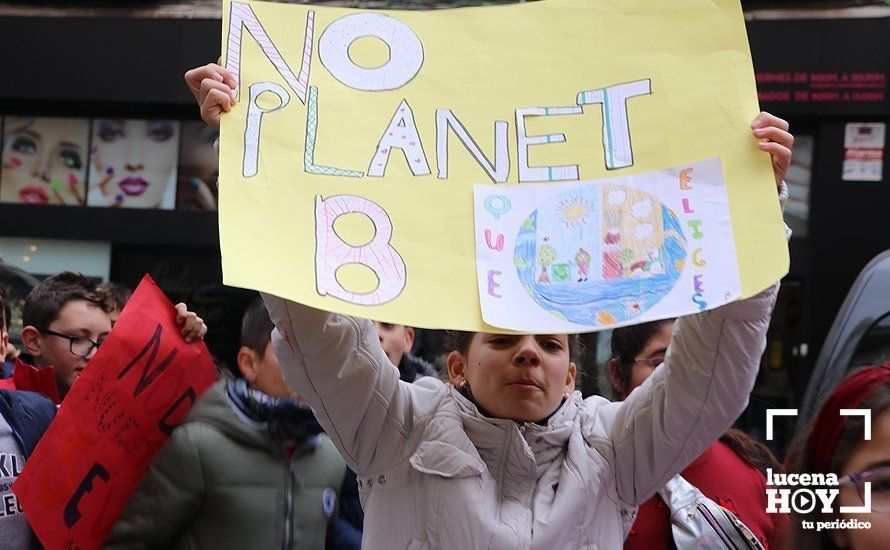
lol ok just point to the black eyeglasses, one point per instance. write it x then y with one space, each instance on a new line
77 345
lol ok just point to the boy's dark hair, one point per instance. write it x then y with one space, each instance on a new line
5 311
117 294
256 327
47 299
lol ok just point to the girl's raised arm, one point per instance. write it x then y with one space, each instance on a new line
709 371
335 363
692 399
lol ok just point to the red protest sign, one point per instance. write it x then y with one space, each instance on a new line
120 411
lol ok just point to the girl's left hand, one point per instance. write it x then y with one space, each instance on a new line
772 132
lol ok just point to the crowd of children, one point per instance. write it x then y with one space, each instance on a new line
330 433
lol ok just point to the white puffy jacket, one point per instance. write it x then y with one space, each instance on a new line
435 473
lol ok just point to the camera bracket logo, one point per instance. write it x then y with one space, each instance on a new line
802 493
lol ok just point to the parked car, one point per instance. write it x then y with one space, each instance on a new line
859 336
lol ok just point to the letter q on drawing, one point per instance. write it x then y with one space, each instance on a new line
254 121
497 205
331 252
405 52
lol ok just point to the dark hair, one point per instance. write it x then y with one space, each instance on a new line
256 327
752 452
117 294
626 343
801 461
47 299
5 311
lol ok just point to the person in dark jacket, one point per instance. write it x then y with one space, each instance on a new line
249 467
24 416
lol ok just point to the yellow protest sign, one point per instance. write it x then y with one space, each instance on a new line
348 165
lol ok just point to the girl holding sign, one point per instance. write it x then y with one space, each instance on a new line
507 454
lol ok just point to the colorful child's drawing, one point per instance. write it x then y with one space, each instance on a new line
625 245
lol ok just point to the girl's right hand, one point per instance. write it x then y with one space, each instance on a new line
214 89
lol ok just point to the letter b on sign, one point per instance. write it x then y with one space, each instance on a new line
332 252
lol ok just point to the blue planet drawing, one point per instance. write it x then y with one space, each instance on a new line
601 254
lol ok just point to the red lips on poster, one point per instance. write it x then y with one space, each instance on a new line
136 389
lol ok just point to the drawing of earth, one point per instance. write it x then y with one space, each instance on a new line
600 254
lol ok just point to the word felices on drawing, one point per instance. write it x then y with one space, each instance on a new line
696 226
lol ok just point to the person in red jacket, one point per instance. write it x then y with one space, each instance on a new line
730 472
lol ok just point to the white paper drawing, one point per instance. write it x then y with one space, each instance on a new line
585 256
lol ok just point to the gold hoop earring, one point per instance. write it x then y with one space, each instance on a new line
566 396
462 384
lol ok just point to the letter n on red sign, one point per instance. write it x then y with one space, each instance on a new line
120 411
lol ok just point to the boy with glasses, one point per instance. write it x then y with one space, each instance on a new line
66 319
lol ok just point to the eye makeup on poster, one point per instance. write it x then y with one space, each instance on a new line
133 163
108 162
44 160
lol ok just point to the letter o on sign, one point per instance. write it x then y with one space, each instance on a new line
405 52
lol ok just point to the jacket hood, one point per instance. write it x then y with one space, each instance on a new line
216 409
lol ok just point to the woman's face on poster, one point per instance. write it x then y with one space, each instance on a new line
134 162
44 160
198 167
197 156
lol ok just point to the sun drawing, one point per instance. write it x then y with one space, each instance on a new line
573 211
